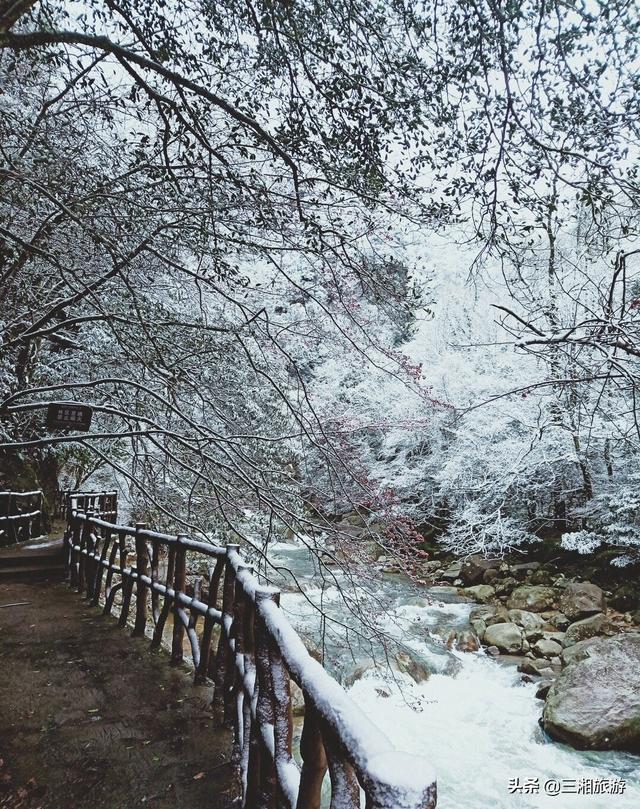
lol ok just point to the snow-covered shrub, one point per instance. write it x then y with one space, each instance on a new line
613 517
475 531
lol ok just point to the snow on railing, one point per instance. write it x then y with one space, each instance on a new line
104 504
257 655
21 516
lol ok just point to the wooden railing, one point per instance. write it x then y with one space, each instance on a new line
103 504
21 516
257 653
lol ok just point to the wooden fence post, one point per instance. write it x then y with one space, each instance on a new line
344 783
12 533
314 760
38 519
250 758
100 566
282 711
202 671
256 658
237 690
125 580
76 531
167 604
224 655
108 598
82 560
154 564
265 705
141 590
179 582
91 563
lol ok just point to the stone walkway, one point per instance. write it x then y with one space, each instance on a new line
90 717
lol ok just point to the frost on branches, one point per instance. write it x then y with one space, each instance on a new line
287 307
613 517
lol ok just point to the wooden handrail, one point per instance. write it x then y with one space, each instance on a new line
16 524
104 503
257 654
23 515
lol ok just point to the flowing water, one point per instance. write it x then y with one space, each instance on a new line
474 720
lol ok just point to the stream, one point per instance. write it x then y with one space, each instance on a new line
473 720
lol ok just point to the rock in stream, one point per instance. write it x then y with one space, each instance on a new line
595 702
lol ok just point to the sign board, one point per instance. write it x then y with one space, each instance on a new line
68 416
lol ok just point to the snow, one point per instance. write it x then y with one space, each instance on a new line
22 516
202 547
37 545
412 782
99 523
364 741
479 729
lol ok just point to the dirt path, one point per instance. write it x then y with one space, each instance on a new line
89 717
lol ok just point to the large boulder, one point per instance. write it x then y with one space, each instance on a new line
413 666
560 621
578 651
543 689
529 621
557 636
467 641
524 567
498 616
433 566
491 575
354 518
546 647
473 569
595 702
404 661
533 598
482 593
505 586
452 573
490 613
445 593
507 637
482 617
484 611
581 599
371 548
536 666
585 629
541 576
479 627
358 673
477 622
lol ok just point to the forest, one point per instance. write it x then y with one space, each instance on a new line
357 280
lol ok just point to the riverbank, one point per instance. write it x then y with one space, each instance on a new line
581 651
475 717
